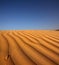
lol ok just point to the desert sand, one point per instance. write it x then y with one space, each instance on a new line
29 47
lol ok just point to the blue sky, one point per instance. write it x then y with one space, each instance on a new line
29 14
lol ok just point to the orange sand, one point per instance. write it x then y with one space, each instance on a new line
29 47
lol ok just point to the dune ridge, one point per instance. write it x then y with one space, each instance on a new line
29 47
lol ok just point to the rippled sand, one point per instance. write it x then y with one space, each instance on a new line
29 47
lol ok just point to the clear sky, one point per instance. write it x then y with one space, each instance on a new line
29 14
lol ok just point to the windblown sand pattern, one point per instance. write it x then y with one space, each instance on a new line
29 47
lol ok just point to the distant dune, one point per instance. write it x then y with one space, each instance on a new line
29 47
57 30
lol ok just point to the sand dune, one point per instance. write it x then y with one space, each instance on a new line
29 47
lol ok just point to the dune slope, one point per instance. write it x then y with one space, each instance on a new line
29 47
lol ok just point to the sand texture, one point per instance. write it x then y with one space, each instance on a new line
29 47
